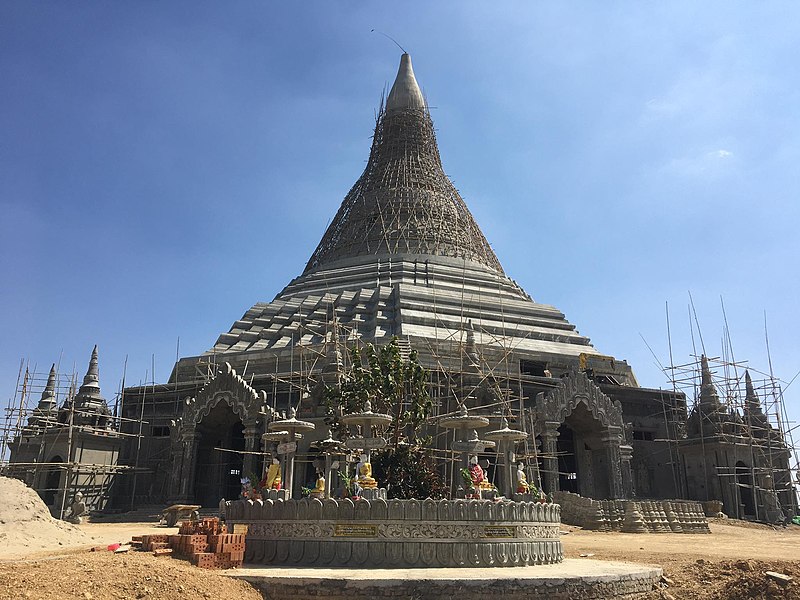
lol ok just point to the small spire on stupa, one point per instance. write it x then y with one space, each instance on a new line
405 93
751 398
88 399
753 413
92 377
47 403
708 393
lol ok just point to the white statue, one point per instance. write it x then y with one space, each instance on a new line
522 480
77 510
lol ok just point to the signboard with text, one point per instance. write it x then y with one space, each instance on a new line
287 447
365 443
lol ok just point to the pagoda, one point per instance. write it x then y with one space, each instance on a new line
404 259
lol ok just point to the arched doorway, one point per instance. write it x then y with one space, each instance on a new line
581 433
218 468
744 479
52 482
216 426
567 463
582 458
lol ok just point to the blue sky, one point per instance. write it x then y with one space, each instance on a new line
164 166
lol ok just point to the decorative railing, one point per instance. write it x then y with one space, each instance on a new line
399 533
632 516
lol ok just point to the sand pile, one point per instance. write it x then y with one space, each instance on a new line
26 525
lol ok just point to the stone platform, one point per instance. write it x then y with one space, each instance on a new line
572 578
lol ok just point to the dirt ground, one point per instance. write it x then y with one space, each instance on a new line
727 564
82 575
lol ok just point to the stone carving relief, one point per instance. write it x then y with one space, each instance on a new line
401 530
227 386
573 389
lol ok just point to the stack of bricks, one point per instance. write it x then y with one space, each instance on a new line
157 544
205 543
228 549
208 526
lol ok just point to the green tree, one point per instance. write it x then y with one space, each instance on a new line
399 388
408 472
392 385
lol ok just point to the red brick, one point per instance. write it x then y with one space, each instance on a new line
233 556
204 560
232 547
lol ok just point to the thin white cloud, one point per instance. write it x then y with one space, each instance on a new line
660 107
711 163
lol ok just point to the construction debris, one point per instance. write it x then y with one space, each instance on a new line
206 543
779 577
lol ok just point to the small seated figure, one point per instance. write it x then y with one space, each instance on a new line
479 481
272 478
319 488
77 510
522 480
364 474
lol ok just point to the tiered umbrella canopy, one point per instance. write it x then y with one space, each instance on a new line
329 447
289 429
506 437
366 420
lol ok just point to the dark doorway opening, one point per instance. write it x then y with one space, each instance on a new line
582 463
567 463
744 479
52 482
219 457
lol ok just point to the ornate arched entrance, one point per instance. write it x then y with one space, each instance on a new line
581 433
223 419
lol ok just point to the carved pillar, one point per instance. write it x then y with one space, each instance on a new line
626 455
176 472
550 457
250 463
191 442
611 444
